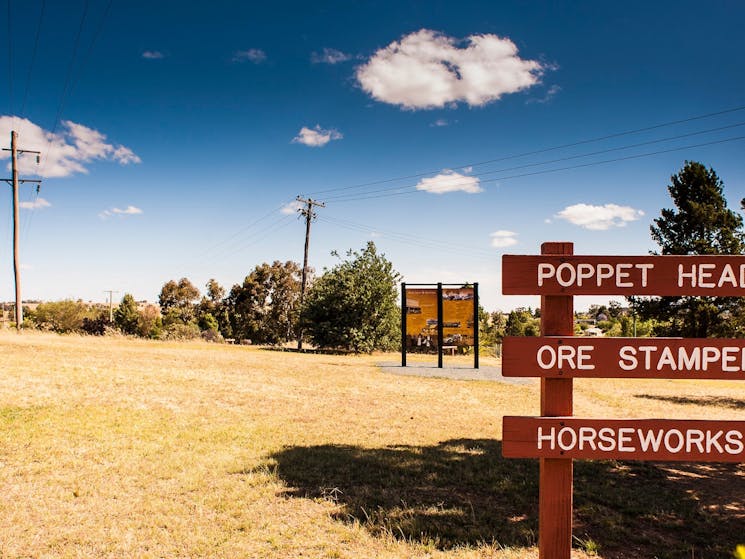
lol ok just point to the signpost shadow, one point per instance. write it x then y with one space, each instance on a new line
463 492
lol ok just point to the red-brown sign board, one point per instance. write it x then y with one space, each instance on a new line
660 358
623 439
623 275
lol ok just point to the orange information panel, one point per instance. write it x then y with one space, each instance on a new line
623 275
661 358
624 439
421 317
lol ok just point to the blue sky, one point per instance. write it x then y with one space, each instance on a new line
175 135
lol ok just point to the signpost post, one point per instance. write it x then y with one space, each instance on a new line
556 438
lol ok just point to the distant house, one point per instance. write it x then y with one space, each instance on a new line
593 332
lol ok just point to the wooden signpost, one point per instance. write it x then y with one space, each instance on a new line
556 438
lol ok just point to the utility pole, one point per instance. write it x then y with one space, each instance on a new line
309 214
111 303
14 182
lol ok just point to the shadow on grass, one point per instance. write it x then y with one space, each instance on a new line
463 492
716 401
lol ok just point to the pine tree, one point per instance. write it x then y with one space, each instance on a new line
700 224
126 315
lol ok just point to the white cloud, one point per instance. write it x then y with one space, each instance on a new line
291 207
129 210
257 56
551 92
427 69
37 204
316 137
599 218
440 122
64 153
503 239
450 181
153 55
329 56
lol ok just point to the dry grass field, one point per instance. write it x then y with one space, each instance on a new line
111 447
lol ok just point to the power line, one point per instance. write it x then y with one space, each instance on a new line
411 189
247 227
539 151
412 240
65 88
459 182
72 84
33 57
10 61
253 239
96 35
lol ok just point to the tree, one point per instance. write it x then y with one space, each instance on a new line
60 316
264 308
214 306
353 305
522 322
177 301
126 315
701 223
149 323
97 324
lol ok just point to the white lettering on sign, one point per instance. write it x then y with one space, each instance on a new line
567 274
565 356
630 439
709 276
704 358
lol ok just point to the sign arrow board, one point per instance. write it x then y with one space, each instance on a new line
660 358
623 275
623 439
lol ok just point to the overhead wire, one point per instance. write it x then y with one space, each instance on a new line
10 61
94 40
33 58
66 86
66 91
211 248
411 240
271 229
233 244
458 181
539 151
411 189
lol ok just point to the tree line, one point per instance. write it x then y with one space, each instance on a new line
353 306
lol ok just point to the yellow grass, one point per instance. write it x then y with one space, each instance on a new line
111 447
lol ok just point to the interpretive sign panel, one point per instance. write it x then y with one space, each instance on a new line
624 439
422 319
661 358
719 276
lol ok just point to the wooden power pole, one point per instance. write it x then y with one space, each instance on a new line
14 182
111 303
309 214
